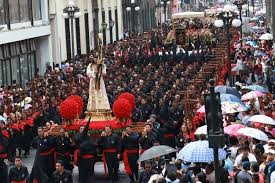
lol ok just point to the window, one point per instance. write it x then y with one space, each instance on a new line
36 9
2 12
14 11
24 69
24 10
31 65
6 68
15 67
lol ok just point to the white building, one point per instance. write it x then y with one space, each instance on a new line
25 42
86 27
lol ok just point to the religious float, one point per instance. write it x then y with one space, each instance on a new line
190 28
98 108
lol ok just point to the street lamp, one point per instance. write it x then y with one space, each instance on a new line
164 3
111 25
71 11
240 4
132 7
227 18
104 27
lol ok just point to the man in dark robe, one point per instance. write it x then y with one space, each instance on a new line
130 148
62 149
85 155
18 173
111 145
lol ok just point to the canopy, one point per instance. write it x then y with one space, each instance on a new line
188 15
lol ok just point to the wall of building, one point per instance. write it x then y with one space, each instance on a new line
25 40
88 7
144 19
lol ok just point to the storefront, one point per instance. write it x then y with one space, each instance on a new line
17 62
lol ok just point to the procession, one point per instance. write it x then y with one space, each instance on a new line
189 100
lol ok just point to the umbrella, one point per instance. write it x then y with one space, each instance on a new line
252 95
251 43
262 119
260 54
223 89
232 107
256 27
201 109
253 133
199 152
227 107
266 36
201 130
260 13
156 151
233 129
257 88
230 98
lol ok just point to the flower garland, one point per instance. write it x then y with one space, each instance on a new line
122 108
130 97
69 109
79 102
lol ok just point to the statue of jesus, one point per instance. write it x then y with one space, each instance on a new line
98 99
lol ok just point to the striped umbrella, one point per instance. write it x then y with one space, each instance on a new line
199 152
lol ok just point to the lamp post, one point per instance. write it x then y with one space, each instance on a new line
165 3
104 27
239 4
132 7
71 11
214 125
111 25
226 18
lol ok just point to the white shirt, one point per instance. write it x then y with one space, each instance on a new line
238 160
272 177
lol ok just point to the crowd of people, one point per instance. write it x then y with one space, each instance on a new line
155 73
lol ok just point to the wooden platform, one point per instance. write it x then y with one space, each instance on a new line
103 115
137 127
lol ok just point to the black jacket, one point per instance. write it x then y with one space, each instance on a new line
16 174
65 177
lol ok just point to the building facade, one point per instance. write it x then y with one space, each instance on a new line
95 15
141 19
25 43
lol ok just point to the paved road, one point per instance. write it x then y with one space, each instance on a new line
99 170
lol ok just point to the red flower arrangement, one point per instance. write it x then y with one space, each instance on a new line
130 97
69 109
122 108
79 102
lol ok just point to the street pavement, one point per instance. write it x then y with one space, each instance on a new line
99 170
